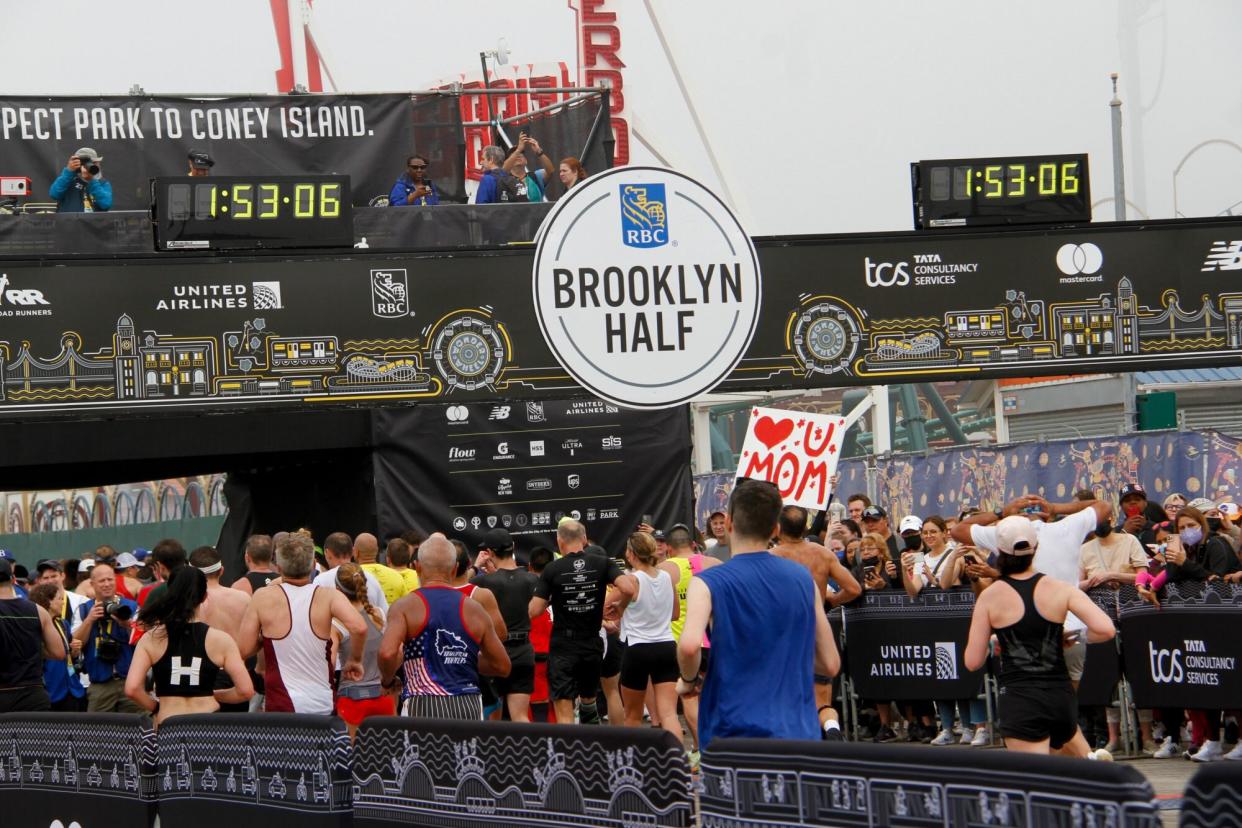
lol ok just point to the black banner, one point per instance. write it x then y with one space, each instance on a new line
94 770
213 333
911 648
279 770
432 772
366 137
522 466
762 782
1185 654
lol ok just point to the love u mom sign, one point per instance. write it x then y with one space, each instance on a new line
795 450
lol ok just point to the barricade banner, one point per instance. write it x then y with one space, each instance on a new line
911 648
434 773
366 137
273 770
747 783
95 770
1186 653
1213 797
1102 669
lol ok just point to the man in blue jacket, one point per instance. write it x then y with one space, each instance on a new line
80 187
413 187
496 185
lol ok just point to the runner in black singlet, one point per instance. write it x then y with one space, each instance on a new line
1026 610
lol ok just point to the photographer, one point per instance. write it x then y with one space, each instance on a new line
80 187
106 651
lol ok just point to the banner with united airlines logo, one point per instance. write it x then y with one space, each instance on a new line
469 468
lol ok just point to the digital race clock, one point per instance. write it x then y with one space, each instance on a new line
239 212
970 192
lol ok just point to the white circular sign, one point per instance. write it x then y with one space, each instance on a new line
646 287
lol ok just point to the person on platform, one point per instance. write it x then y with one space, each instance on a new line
80 187
761 681
184 654
513 588
495 185
338 549
27 637
571 172
356 700
104 631
259 569
61 679
792 545
440 642
292 621
575 585
530 186
200 163
413 188
1027 610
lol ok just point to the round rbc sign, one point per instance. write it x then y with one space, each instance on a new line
646 287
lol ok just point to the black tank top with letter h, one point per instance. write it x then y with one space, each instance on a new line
185 670
1031 649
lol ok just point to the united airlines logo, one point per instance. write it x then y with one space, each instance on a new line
644 215
946 660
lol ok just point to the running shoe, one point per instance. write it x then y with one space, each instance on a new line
981 737
1100 755
1235 755
1210 752
945 738
1167 749
886 734
968 736
834 735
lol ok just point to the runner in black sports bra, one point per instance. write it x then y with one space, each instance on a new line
185 669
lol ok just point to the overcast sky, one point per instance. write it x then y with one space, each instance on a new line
813 110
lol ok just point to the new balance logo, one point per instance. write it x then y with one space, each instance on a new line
1224 256
179 671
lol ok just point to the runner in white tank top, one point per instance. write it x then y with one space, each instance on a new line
647 618
299 666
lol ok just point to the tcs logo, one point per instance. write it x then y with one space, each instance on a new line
1166 665
886 274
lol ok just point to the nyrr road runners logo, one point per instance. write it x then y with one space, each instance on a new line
658 313
390 293
644 215
16 301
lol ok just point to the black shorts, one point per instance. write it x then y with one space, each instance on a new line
521 680
1034 712
574 668
611 665
656 663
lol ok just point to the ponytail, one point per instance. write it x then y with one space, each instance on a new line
176 604
352 581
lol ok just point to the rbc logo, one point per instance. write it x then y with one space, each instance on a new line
644 216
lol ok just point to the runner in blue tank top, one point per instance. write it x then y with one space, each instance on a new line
768 630
438 641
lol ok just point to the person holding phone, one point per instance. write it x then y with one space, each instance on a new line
1026 610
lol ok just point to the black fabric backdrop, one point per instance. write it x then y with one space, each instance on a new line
434 773
370 146
438 135
911 648
567 131
610 465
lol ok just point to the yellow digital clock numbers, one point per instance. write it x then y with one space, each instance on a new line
265 201
995 191
1011 180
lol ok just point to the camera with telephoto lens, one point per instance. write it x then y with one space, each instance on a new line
108 650
115 609
88 164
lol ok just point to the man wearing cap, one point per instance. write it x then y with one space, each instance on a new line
1134 517
718 539
27 634
200 163
80 187
513 588
16 573
875 519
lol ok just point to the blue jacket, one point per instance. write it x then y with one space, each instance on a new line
489 187
100 671
402 189
68 189
59 677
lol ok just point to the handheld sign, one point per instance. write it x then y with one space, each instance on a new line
795 450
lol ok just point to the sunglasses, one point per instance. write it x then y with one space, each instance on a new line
417 166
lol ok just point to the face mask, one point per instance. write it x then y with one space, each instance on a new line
1103 529
914 543
1213 524
1191 535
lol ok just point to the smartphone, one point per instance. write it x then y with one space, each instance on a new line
919 558
1154 549
1030 510
1229 509
1132 509
869 570
649 520
836 510
970 559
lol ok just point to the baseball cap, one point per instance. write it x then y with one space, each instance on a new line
200 158
87 152
1016 535
86 565
49 563
1133 489
125 560
6 571
717 512
141 554
1202 504
497 539
909 523
658 534
874 513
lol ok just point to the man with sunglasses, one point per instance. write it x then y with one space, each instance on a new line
413 187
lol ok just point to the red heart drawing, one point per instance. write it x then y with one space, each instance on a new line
771 433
